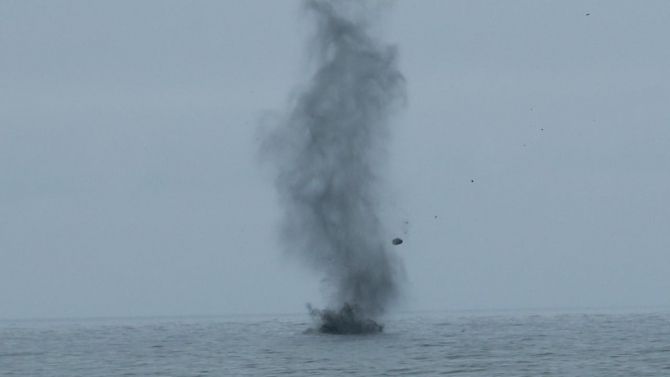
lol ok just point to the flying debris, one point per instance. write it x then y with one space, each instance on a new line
396 241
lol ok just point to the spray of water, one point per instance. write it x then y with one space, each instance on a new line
330 150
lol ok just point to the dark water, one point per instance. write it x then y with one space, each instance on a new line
460 344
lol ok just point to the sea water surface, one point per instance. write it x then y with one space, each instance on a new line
586 343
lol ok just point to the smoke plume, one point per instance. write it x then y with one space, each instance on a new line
330 151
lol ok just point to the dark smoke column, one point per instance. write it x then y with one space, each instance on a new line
330 150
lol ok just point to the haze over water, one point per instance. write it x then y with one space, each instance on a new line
595 343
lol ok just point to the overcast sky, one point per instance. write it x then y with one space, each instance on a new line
536 132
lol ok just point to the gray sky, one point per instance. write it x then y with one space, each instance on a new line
130 183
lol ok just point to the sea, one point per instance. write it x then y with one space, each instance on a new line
486 343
